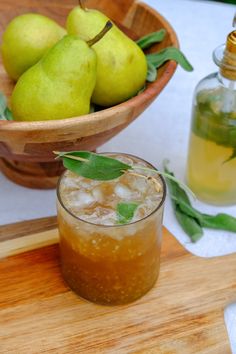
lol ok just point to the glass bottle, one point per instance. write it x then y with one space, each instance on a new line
211 166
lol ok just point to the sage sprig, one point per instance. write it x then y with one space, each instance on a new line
192 220
156 60
5 113
93 166
104 168
151 38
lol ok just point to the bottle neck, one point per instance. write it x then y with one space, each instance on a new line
228 66
225 81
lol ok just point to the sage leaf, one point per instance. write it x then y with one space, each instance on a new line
125 212
188 210
93 166
192 220
5 113
151 38
8 114
220 222
3 106
169 53
151 73
184 213
101 167
189 225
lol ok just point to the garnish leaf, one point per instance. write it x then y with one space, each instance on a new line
169 53
151 73
104 168
93 166
125 212
151 38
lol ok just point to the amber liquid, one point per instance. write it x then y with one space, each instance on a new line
211 178
103 260
211 168
109 270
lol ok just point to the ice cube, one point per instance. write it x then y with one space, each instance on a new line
88 183
70 183
80 199
139 183
146 208
97 194
70 180
141 212
122 191
100 216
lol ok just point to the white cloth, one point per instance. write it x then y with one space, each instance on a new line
162 131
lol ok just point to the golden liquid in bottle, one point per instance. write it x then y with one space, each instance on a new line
209 175
211 168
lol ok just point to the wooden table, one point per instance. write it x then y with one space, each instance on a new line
182 314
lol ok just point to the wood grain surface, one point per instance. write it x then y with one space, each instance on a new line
34 142
182 314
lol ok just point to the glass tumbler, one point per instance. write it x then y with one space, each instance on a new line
110 264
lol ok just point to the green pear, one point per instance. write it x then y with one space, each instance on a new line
25 40
122 66
61 84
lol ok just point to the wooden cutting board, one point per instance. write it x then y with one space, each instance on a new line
39 314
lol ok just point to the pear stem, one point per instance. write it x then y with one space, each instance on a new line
81 4
100 35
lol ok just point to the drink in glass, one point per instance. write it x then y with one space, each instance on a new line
104 261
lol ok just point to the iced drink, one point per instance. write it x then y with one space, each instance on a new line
104 261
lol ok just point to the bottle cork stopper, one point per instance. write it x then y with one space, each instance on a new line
231 42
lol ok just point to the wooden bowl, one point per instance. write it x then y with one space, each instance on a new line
26 147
